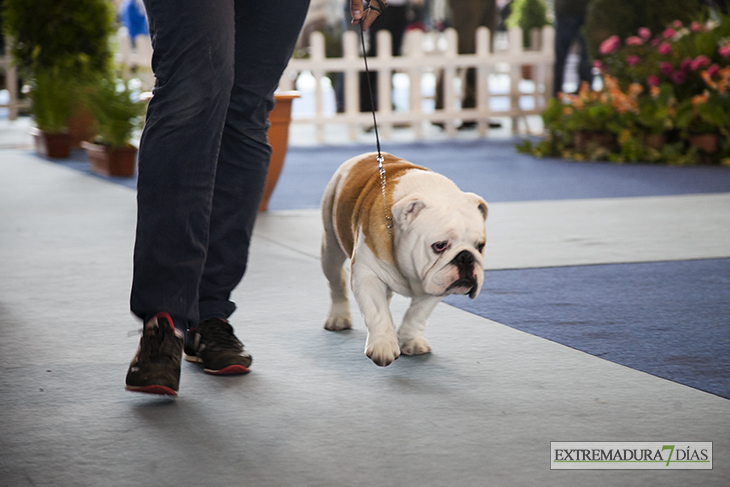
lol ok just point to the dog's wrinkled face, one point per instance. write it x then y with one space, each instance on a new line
440 241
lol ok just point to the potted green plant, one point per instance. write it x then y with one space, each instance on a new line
69 38
53 104
118 113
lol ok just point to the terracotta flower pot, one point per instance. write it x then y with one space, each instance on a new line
280 117
704 142
111 161
655 141
52 144
81 127
584 138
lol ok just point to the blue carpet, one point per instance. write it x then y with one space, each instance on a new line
494 170
79 161
491 168
669 319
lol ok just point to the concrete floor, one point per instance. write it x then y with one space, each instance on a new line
481 410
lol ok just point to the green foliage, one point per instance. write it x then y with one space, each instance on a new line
661 89
70 36
528 15
54 99
117 111
605 18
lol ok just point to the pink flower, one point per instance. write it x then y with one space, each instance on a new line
644 33
652 80
664 48
724 50
666 68
699 62
610 45
669 33
677 24
633 60
678 77
712 70
655 42
598 64
634 41
685 64
696 26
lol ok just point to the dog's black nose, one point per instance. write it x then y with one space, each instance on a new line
464 259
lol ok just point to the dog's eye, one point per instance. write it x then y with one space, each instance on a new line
480 247
440 247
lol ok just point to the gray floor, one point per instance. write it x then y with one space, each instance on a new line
480 410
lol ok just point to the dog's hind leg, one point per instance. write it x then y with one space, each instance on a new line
333 259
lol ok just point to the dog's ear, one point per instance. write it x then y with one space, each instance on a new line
407 209
480 203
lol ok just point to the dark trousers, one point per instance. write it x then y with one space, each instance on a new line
204 151
395 20
567 30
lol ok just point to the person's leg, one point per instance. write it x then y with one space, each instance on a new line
266 33
563 39
585 67
193 62
567 30
467 16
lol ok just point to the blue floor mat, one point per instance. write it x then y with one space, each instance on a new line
494 170
669 319
491 168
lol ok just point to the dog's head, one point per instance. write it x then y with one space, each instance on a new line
440 239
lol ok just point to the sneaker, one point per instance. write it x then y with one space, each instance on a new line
213 344
156 367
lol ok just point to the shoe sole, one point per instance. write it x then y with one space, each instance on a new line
153 389
236 369
193 358
230 370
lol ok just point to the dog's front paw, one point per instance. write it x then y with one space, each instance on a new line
337 323
382 350
339 318
414 345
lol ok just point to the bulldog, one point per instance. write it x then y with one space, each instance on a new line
433 248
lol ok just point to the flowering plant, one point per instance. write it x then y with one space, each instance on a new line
657 86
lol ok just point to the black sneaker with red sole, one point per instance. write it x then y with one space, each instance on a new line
213 344
155 368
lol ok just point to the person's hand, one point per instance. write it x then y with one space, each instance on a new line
367 16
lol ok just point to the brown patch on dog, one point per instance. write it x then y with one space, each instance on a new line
360 204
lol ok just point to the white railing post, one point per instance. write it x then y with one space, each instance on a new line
414 49
11 80
317 53
515 51
385 82
548 52
451 54
482 79
351 58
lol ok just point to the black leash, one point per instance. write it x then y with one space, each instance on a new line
381 169
370 89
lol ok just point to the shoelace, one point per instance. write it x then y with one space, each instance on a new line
218 335
159 346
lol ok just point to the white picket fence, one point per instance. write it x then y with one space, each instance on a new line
427 56
405 84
